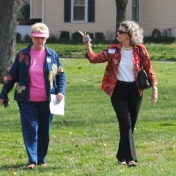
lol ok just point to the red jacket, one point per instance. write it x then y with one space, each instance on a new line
109 80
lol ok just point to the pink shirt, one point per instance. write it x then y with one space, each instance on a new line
36 73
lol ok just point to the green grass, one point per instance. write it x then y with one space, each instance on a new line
84 141
156 51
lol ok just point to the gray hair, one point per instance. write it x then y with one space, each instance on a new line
134 31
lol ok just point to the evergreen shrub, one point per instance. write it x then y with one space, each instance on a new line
161 39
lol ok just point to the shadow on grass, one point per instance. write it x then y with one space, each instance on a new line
11 127
81 123
10 167
16 167
168 124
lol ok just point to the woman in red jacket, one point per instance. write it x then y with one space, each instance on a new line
120 82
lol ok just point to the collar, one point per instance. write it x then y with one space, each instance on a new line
119 46
27 50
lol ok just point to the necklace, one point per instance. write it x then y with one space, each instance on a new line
127 48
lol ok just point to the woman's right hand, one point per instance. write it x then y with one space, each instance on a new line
86 40
86 37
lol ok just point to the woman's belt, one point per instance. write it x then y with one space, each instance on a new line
124 82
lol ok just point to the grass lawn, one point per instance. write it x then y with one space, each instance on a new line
84 141
156 51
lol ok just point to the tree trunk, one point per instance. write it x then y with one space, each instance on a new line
120 11
8 16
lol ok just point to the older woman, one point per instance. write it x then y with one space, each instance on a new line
38 73
121 83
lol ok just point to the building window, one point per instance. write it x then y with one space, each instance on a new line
135 10
23 13
79 11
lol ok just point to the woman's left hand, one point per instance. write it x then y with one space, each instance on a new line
1 101
154 96
59 97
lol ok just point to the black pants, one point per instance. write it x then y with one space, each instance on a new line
126 103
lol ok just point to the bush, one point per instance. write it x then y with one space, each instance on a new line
115 41
27 39
90 34
53 38
76 37
64 35
161 39
18 37
99 36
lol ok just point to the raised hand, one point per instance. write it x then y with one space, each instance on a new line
86 37
81 33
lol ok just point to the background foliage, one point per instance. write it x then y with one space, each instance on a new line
156 51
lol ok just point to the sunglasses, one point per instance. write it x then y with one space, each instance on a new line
121 32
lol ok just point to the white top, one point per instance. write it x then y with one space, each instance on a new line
126 66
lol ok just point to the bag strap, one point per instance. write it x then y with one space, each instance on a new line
140 56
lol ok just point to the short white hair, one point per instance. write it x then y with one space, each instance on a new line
40 27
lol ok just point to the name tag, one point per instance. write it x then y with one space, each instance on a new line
111 51
48 60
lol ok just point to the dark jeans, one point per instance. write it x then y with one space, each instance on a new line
35 121
126 103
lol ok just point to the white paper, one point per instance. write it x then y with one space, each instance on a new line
56 108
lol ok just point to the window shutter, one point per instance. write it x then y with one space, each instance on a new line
67 10
91 10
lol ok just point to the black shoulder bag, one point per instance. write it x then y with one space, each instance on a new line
144 82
